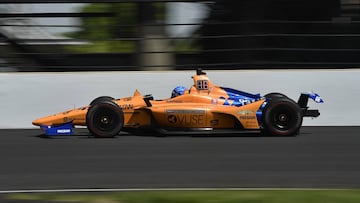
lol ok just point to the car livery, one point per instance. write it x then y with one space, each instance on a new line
203 108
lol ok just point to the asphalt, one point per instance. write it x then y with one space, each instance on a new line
320 157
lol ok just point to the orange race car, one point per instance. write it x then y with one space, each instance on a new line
204 108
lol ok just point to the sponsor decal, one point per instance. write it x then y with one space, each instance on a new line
236 101
172 119
127 106
247 117
62 131
318 99
245 101
189 119
245 112
186 119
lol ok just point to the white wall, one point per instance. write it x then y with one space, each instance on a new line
26 96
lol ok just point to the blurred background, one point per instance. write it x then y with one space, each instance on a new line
81 35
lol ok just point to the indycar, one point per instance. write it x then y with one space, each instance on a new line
203 108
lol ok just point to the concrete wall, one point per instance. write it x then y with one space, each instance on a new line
26 96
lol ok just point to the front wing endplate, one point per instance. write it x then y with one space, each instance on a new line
64 129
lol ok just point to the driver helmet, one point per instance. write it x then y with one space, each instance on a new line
178 90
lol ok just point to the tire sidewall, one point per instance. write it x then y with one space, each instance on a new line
275 95
109 109
273 108
101 99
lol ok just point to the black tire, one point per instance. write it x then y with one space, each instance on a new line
105 119
101 99
282 117
275 95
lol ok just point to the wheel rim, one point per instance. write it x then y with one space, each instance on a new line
105 120
283 118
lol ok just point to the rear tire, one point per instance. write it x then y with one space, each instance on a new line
274 95
282 117
105 119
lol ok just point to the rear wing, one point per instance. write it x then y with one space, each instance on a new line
303 103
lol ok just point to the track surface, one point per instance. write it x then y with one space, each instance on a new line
325 157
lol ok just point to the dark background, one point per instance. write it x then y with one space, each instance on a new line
246 34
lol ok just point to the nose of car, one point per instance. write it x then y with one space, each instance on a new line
42 121
38 121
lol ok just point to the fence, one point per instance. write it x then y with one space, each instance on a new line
142 41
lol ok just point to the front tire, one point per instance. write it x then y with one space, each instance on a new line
101 99
282 117
105 119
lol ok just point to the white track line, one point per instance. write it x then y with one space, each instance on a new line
165 189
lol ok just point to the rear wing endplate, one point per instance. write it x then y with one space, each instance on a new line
303 103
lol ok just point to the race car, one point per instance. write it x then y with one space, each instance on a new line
203 108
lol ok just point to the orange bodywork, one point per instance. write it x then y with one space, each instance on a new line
202 106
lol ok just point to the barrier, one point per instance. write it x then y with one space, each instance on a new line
26 96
